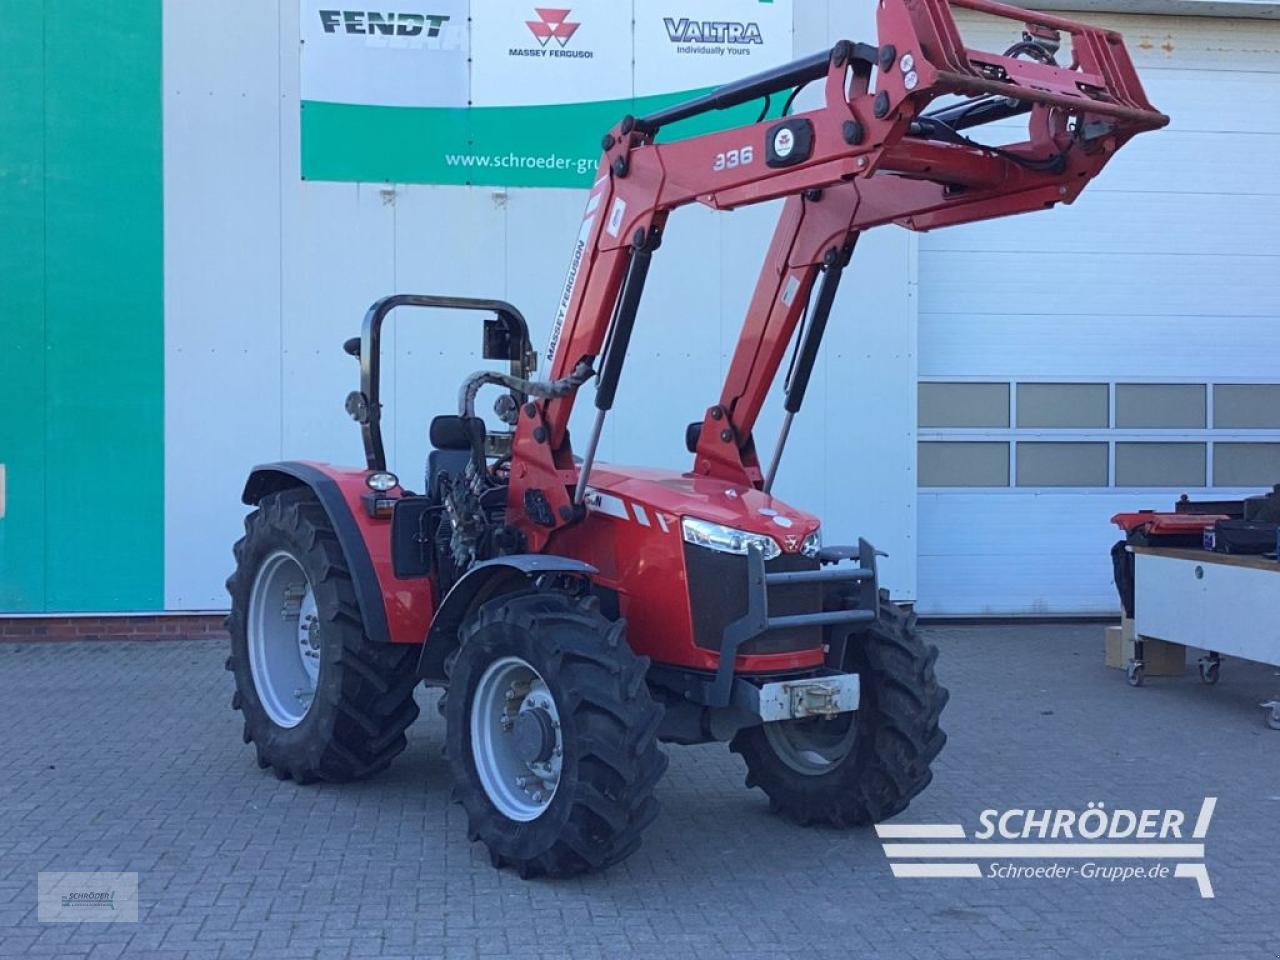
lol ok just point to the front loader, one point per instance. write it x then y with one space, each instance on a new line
579 614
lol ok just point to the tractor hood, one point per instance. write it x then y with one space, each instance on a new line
670 496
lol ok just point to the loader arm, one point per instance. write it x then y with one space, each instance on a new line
876 152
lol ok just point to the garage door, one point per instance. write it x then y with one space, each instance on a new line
1111 355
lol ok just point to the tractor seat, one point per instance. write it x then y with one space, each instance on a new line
450 438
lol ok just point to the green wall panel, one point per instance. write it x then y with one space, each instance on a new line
100 439
22 567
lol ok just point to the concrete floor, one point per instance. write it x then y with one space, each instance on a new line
126 756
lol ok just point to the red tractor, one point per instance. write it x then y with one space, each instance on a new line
580 614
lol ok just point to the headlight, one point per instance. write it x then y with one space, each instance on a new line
713 536
382 481
812 544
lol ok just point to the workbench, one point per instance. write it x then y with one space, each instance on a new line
1220 603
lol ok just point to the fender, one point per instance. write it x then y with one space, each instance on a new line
394 611
478 583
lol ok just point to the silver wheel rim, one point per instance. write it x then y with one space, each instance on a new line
813 747
513 712
284 639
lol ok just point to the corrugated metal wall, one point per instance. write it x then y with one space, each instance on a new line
266 276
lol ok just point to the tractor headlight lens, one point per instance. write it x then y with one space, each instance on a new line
382 481
713 536
812 545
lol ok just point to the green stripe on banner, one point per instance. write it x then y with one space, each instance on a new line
81 284
533 146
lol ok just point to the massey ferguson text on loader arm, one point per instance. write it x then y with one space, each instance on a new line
873 154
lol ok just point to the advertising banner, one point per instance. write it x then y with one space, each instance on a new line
505 93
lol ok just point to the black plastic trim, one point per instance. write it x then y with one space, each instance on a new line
801 130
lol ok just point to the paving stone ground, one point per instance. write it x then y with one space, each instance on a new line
126 756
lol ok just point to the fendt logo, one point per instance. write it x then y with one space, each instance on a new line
553 23
715 37
374 23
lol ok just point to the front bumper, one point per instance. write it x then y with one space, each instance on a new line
719 690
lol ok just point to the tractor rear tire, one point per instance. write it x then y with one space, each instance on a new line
864 767
321 699
552 736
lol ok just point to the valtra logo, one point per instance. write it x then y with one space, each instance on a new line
553 23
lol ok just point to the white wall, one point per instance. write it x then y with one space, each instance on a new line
1265 9
265 276
1162 270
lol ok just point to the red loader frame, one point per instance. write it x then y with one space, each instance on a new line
865 159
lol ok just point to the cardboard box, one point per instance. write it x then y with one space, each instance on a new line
1160 659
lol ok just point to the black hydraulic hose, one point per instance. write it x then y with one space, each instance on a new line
531 388
758 85
962 116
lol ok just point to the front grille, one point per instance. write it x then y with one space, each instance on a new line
718 596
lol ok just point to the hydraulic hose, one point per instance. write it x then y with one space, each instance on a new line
549 389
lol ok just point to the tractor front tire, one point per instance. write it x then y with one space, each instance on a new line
864 767
321 699
552 735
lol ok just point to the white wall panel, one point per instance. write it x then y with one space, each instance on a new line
338 258
448 241
997 554
992 553
673 369
1116 222
222 282
1102 347
1181 8
1136 284
1161 270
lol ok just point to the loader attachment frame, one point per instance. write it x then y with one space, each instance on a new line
877 152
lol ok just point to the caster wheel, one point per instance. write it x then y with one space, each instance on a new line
1135 674
1209 670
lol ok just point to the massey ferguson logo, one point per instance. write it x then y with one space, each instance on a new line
375 23
715 37
553 23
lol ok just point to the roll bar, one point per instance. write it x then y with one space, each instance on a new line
506 337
